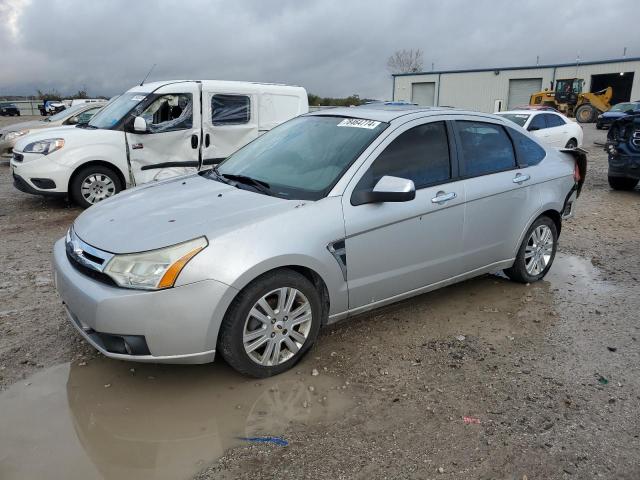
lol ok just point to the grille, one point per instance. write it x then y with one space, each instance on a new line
91 273
636 138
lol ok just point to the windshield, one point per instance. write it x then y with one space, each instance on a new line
622 107
115 110
519 118
304 157
67 112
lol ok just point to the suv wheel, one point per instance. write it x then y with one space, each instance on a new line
93 184
536 253
271 324
622 183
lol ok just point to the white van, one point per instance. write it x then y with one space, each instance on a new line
151 132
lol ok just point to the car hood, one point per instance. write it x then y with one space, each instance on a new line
614 114
68 132
160 214
30 125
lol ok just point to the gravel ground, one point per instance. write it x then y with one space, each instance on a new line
486 379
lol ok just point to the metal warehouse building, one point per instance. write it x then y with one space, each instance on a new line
495 89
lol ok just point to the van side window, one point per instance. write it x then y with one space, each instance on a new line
420 154
529 152
230 109
486 148
169 112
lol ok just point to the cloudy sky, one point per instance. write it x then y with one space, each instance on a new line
331 47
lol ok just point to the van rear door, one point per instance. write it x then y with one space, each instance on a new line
230 121
171 145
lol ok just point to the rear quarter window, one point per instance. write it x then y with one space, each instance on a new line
528 152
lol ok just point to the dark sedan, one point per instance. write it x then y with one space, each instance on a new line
617 111
9 109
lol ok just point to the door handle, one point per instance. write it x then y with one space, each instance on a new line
442 197
207 140
521 177
194 141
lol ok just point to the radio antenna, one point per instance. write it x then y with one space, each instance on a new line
147 75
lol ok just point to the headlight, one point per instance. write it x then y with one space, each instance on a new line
12 135
45 147
155 269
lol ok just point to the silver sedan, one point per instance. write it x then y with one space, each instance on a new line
326 216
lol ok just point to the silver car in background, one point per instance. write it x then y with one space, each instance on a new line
328 215
77 114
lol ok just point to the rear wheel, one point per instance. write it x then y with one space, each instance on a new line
271 324
622 183
586 114
537 252
94 183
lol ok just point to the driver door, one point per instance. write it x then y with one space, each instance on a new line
171 144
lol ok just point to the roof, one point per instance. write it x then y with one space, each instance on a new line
388 113
225 84
529 67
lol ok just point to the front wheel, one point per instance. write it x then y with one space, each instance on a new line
94 183
622 183
271 324
586 114
536 253
572 143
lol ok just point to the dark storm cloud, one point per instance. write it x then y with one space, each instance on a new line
332 47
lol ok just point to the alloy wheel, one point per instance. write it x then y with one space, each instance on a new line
277 326
538 251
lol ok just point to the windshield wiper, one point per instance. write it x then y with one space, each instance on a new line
259 185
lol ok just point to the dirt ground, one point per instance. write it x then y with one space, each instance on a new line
487 379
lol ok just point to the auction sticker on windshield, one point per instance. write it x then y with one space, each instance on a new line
358 123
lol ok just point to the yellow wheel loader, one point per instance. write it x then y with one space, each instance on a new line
569 99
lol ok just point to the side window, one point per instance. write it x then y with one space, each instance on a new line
537 123
169 112
85 116
230 109
486 148
420 154
553 120
529 152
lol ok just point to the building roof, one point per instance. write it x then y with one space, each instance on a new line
550 65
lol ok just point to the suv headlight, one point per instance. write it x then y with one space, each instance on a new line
156 269
45 147
16 134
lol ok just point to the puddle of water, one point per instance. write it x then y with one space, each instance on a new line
158 422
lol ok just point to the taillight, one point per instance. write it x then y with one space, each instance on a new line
576 173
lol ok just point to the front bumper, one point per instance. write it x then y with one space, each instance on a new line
35 166
179 325
621 165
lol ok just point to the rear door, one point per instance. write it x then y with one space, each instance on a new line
557 130
499 199
230 122
394 248
171 145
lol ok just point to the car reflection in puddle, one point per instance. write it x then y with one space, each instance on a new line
105 420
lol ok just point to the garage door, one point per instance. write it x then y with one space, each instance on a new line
423 93
521 89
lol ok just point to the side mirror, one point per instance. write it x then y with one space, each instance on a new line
140 125
388 189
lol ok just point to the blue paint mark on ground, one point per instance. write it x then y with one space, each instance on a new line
275 440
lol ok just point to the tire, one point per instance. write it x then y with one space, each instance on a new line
239 321
622 183
572 143
525 270
586 114
100 182
598 126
